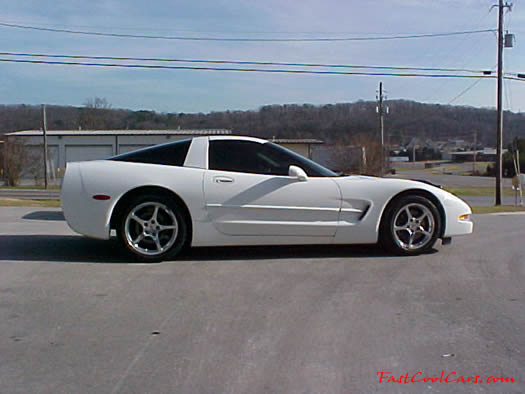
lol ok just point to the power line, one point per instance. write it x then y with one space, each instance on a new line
178 29
244 39
457 53
163 67
464 91
237 62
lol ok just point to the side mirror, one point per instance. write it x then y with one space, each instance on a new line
298 173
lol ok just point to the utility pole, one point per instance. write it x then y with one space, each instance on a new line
475 152
44 131
381 126
499 135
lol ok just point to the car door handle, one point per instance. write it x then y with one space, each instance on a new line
223 179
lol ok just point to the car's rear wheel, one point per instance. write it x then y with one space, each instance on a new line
410 226
152 228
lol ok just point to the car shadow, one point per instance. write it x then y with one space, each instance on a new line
60 248
78 249
282 252
45 215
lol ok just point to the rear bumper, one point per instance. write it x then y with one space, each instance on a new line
83 214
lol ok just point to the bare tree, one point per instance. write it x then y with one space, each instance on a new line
20 159
371 147
346 159
3 162
96 114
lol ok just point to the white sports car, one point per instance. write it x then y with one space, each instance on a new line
216 191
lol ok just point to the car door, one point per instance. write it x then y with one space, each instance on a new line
246 193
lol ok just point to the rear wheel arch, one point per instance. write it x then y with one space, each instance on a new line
124 201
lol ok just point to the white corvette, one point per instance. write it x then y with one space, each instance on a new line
215 191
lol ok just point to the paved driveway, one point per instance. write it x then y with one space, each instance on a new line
77 317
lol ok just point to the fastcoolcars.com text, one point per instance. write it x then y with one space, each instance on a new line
444 377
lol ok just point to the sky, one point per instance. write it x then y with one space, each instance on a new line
206 91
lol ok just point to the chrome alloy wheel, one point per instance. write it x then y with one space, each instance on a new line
151 228
413 226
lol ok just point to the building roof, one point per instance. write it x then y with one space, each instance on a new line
194 132
84 133
484 151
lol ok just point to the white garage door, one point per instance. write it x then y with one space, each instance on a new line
88 152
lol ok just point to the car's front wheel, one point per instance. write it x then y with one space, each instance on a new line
152 228
410 225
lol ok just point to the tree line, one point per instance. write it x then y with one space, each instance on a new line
332 123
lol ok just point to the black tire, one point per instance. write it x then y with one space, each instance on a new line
410 226
152 228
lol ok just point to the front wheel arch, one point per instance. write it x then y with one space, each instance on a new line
151 190
420 193
410 225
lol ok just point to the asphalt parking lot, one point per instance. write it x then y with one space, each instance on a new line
77 317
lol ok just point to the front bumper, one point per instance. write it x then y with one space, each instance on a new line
454 209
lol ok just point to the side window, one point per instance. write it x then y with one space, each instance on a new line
256 158
236 156
247 156
172 154
274 161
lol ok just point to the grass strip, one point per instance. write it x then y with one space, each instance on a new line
497 209
16 202
477 191
50 187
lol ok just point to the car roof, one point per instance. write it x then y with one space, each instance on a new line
236 138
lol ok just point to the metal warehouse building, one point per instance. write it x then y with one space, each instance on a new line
78 145
66 146
302 146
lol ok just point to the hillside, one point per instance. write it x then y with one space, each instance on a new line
331 123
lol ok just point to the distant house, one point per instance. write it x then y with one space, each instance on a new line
486 154
450 147
420 143
423 149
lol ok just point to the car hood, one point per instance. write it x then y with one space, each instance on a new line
382 189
